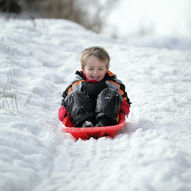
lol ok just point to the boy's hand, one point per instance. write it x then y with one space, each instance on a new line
124 108
62 113
121 117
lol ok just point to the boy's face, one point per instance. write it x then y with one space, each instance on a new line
95 69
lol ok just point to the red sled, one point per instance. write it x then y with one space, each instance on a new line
96 132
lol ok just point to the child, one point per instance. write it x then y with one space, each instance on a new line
96 97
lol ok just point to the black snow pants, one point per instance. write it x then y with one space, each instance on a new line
81 107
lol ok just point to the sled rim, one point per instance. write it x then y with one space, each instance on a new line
85 133
94 129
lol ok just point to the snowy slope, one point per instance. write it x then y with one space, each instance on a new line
152 153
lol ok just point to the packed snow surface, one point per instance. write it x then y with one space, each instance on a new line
38 59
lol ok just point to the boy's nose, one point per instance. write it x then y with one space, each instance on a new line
95 73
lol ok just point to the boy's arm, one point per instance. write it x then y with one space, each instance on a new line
63 114
124 110
115 83
125 105
65 93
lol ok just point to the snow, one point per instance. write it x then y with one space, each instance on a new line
38 59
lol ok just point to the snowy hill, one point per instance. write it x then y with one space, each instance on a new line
152 153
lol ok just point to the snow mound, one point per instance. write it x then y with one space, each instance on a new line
37 61
162 42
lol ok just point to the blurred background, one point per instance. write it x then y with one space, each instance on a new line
117 18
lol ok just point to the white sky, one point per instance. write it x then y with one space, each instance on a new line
163 17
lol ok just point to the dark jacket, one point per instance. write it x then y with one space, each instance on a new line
92 89
110 80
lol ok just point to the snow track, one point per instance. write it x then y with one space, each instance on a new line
152 153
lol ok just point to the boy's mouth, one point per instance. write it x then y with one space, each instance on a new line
95 78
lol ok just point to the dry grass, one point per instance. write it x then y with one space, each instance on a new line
8 98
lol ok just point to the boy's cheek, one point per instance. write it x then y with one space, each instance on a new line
88 74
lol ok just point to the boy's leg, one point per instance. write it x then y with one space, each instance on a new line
79 106
107 107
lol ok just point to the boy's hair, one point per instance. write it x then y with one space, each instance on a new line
96 51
